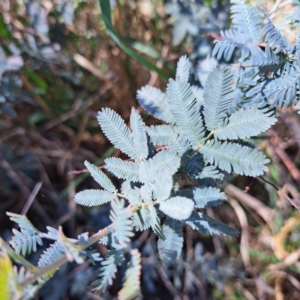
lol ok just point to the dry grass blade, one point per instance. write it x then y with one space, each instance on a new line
286 275
279 239
244 233
293 202
31 197
86 64
262 210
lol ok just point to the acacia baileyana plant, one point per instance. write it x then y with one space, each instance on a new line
174 170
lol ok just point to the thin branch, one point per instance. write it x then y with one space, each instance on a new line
86 170
167 282
281 192
49 269
17 257
31 197
157 149
62 260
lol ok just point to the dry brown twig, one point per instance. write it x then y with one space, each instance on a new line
262 210
244 232
282 193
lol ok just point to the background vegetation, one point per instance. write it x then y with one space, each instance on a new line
61 61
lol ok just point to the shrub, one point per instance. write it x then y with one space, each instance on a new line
173 171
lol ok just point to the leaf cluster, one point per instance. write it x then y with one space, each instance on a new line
174 170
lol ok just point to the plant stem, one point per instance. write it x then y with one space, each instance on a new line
62 260
210 134
17 257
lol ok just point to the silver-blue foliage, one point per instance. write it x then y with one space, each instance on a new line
174 170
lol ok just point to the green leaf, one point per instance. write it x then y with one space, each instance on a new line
106 14
38 81
179 208
143 48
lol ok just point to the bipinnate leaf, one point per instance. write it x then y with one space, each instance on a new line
234 157
208 196
120 216
179 208
71 250
52 233
145 218
141 219
131 285
280 91
184 108
247 19
211 172
155 222
204 68
231 39
169 248
100 177
93 197
122 169
116 131
264 60
162 184
161 135
218 95
25 240
205 224
274 38
198 94
51 254
245 123
183 69
155 102
108 270
179 144
132 192
139 134
165 159
146 192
